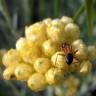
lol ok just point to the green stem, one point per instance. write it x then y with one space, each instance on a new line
43 9
57 8
79 12
90 19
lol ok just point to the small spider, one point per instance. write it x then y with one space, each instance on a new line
67 49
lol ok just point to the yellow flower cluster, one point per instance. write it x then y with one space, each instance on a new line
38 59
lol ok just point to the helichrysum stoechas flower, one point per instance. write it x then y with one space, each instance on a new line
37 82
54 76
24 71
29 53
66 20
36 33
58 23
47 21
56 34
71 32
82 54
86 67
77 44
38 58
12 57
42 65
92 52
59 61
49 48
9 73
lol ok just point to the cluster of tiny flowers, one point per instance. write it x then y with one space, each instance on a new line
38 59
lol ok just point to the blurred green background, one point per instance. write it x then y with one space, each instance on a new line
16 14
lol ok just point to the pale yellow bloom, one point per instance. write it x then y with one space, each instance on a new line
37 82
24 71
42 65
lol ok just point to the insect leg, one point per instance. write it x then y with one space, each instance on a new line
77 59
75 52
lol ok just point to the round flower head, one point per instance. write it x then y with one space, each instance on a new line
86 68
59 61
56 34
21 43
36 33
29 53
8 73
23 71
77 44
12 57
37 82
66 20
47 21
49 48
49 54
82 54
54 76
41 65
58 23
71 32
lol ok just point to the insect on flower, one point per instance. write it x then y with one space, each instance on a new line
67 49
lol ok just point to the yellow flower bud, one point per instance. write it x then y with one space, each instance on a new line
30 53
37 82
66 20
21 43
77 44
36 33
56 34
23 71
54 76
49 48
59 61
41 65
86 67
12 57
92 52
47 21
58 23
82 54
71 32
9 73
